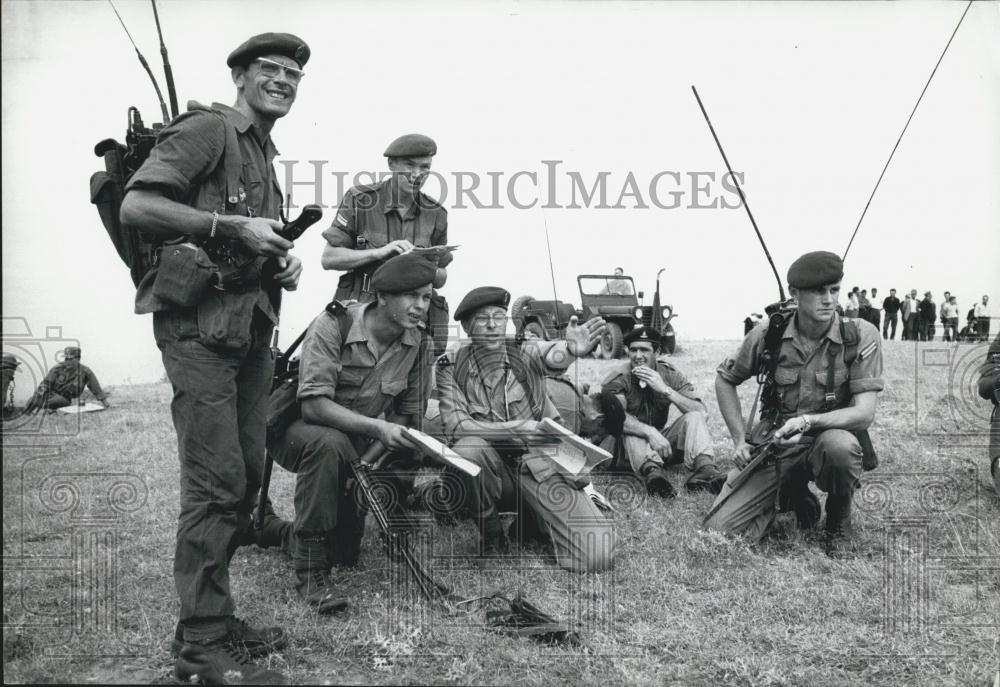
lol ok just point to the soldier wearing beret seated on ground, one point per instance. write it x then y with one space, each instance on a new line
492 394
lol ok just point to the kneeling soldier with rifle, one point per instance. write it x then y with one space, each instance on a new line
820 376
492 395
357 363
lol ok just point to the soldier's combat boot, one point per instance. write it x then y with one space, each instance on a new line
706 476
256 641
838 531
312 575
219 662
806 507
657 484
275 532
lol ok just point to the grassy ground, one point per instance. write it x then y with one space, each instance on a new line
90 509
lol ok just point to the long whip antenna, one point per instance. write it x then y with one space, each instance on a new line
548 246
167 71
739 189
145 65
909 119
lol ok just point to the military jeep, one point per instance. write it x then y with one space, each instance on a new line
612 297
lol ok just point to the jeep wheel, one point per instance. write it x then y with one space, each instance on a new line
611 342
536 330
515 310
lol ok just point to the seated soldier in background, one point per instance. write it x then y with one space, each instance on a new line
65 383
9 368
648 386
492 398
362 378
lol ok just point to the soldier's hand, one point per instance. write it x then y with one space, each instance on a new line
394 437
290 269
394 248
582 339
790 433
742 455
652 378
259 235
660 445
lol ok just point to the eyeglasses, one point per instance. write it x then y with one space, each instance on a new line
497 318
271 69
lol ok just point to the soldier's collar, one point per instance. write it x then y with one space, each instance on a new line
497 359
243 125
394 200
235 117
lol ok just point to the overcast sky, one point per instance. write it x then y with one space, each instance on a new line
808 100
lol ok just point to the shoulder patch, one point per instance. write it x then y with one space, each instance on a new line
868 350
340 220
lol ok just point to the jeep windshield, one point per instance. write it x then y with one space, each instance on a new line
607 286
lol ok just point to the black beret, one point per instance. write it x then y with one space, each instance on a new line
480 297
263 44
404 272
818 268
647 334
412 145
71 352
10 361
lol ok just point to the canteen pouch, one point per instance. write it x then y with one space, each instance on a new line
185 272
282 405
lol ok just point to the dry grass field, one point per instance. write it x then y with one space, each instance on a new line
90 505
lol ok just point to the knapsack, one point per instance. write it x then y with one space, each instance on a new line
121 162
107 190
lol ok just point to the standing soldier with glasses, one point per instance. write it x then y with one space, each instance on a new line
210 183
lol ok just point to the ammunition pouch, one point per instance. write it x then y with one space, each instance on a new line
282 405
184 274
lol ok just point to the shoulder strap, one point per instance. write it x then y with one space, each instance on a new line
766 393
232 160
851 337
338 311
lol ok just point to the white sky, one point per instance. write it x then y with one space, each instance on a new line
807 98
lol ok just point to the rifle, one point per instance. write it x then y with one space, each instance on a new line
760 457
363 466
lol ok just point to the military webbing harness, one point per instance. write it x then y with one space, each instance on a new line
767 393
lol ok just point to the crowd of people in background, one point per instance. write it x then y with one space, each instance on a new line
919 316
